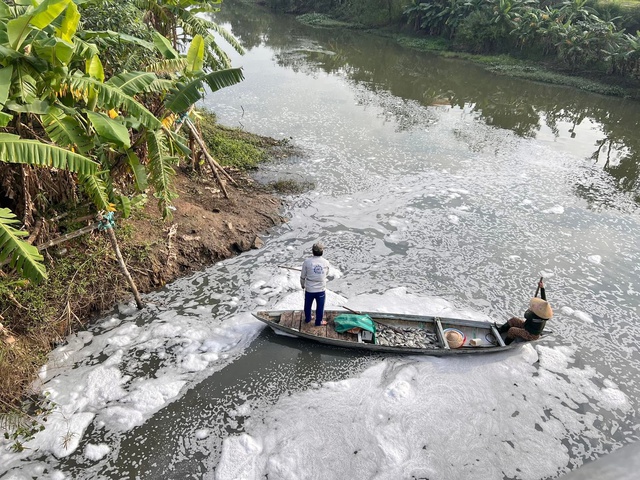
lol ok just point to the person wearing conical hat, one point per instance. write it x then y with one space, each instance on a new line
536 317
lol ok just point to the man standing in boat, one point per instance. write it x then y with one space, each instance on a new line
536 317
313 279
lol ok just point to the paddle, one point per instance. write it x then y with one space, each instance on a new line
290 268
374 321
538 289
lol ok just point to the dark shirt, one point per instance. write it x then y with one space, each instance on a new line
535 325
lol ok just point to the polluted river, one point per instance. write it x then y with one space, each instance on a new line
437 188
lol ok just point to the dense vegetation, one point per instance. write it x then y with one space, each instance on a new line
96 113
92 99
577 36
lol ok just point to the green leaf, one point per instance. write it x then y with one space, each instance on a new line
161 171
112 97
5 118
38 107
192 92
53 49
134 82
69 24
116 37
5 84
93 67
110 129
4 10
168 66
195 55
17 31
19 28
124 205
164 46
14 149
47 12
26 86
96 188
139 172
25 258
66 131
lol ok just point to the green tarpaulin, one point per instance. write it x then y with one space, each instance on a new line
347 321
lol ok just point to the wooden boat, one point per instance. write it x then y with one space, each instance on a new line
395 333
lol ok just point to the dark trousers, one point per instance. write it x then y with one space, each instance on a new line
309 297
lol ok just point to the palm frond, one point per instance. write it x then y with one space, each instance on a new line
24 257
112 97
192 92
133 83
167 66
14 149
66 131
97 190
161 171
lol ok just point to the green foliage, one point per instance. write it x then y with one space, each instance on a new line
571 31
93 115
23 256
231 147
193 91
323 20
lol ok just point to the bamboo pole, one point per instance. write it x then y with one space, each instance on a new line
68 236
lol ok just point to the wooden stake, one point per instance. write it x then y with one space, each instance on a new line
114 243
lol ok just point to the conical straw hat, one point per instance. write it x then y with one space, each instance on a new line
541 308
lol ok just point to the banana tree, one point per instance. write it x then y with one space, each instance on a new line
181 20
54 91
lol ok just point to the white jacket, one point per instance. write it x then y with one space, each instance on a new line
313 277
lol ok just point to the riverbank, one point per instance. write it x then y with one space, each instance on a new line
506 65
84 278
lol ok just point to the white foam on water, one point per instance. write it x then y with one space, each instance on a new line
424 418
96 452
557 210
595 259
85 390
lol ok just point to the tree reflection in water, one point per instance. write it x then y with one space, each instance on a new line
415 78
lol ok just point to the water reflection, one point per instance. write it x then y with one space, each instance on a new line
546 112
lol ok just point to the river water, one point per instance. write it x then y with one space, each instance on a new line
437 188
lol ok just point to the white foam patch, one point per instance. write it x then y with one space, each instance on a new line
431 418
85 390
556 210
595 259
96 452
582 316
